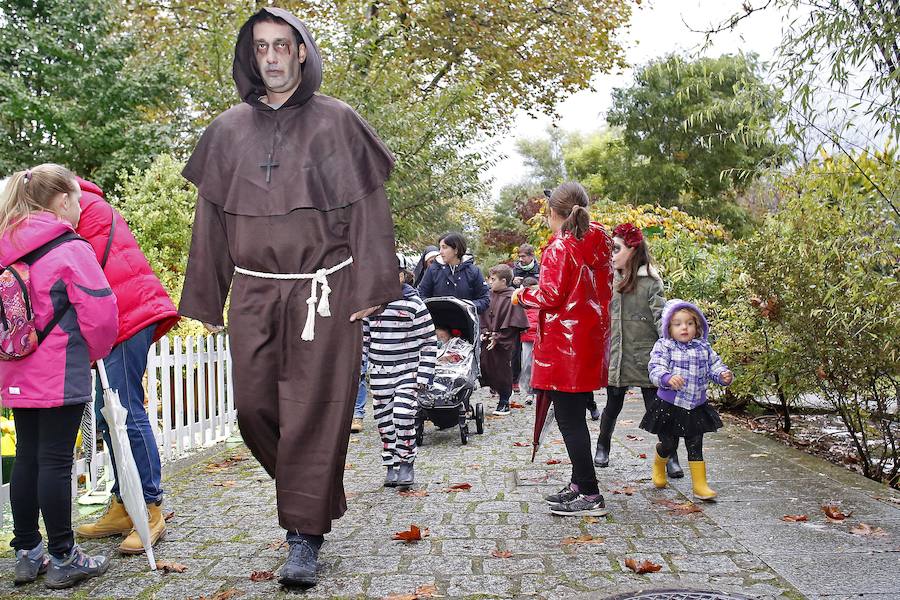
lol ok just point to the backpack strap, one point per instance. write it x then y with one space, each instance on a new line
112 232
38 253
35 255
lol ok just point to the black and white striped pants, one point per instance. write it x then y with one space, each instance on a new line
395 415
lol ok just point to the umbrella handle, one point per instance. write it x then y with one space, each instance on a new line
101 370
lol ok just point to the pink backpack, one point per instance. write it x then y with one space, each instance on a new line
19 336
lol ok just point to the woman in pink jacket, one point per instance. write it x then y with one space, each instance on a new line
75 312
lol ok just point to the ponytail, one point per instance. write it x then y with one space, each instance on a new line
31 191
570 201
578 222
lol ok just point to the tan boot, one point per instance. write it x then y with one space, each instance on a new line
698 479
659 471
133 544
115 521
356 425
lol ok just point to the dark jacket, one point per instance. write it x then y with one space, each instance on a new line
532 270
464 281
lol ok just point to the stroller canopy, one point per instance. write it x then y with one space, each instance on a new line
452 313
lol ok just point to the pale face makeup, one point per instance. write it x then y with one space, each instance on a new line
621 254
278 59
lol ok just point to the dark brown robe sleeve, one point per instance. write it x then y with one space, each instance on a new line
375 264
209 268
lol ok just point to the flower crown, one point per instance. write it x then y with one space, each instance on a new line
632 235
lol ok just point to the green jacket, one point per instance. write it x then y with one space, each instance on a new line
635 320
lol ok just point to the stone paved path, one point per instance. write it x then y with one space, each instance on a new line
224 526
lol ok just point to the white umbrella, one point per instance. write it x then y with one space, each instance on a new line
130 487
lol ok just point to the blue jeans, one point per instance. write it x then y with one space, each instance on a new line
360 410
125 368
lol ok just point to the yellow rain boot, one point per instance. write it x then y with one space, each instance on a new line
133 544
115 521
698 479
659 470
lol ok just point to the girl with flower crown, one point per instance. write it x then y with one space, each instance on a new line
635 314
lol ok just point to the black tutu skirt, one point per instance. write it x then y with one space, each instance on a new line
667 419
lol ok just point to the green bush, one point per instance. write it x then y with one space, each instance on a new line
823 277
158 204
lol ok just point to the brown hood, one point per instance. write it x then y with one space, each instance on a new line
246 74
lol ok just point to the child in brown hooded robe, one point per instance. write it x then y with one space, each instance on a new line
500 325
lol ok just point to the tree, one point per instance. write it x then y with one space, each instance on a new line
433 78
692 127
72 91
851 103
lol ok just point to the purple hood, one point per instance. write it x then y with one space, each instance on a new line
673 306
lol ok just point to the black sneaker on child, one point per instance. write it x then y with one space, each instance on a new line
74 568
567 494
581 506
502 409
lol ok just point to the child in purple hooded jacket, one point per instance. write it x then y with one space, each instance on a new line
682 363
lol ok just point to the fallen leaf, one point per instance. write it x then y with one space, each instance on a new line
459 487
834 513
795 518
277 545
889 499
626 422
473 466
169 567
866 529
516 405
642 455
645 566
590 520
627 490
412 493
758 455
262 576
557 442
553 461
677 508
492 417
414 534
423 592
634 438
585 538
348 466
169 515
228 462
223 595
521 444
228 484
501 553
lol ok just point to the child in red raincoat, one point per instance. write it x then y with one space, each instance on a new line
571 351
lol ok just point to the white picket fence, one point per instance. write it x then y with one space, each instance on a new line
190 401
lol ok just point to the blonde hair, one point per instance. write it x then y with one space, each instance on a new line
33 190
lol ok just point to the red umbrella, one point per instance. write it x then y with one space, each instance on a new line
543 417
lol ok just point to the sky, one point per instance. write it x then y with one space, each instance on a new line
658 27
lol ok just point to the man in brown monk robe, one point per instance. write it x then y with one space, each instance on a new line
291 207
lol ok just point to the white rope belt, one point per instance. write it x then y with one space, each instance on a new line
320 277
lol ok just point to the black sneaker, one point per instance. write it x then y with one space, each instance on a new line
502 409
581 506
300 568
567 494
75 568
27 568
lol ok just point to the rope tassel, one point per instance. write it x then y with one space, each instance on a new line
320 277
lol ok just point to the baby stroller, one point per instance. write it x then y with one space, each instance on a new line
446 402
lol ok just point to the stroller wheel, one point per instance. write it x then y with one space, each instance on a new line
479 418
464 434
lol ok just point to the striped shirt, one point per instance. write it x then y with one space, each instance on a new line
400 344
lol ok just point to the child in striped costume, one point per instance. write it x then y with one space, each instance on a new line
401 348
